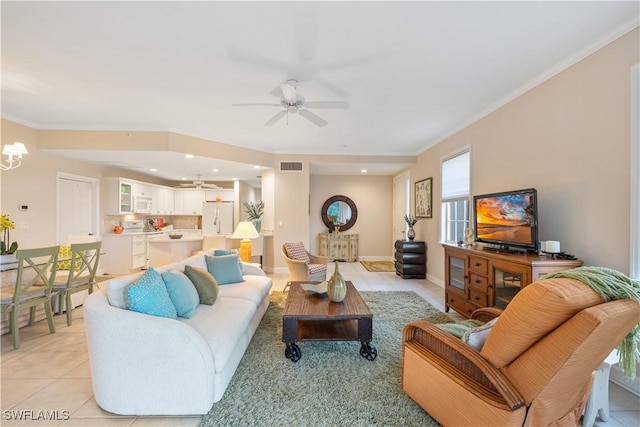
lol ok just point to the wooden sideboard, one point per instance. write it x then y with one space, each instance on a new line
339 246
477 278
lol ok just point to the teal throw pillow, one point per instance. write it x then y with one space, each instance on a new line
182 292
149 295
220 252
224 268
204 282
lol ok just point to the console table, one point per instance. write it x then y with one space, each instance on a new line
339 246
477 278
411 259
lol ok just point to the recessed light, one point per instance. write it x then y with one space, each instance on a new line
188 156
256 167
363 170
153 170
183 178
215 170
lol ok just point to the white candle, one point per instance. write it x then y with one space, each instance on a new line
552 246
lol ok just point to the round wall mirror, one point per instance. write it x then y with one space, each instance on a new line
339 210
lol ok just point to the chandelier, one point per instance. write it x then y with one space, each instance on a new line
14 154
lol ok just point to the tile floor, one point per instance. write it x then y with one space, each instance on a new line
50 372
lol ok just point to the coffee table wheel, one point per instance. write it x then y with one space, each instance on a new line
293 352
368 351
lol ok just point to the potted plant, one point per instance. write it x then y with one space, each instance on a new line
7 248
254 211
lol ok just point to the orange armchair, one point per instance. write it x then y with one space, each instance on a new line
536 367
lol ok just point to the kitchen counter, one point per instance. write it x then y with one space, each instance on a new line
166 239
163 250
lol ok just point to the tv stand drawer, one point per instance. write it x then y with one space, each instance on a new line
479 265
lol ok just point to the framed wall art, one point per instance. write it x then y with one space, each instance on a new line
424 198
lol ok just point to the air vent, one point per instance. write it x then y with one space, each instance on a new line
291 166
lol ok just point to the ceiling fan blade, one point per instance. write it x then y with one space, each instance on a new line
332 87
289 91
256 105
317 120
340 105
272 121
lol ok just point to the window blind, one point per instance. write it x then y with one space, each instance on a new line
455 177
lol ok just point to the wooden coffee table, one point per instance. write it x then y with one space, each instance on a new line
314 317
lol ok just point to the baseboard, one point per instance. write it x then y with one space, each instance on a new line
376 258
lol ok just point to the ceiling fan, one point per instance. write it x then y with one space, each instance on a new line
293 103
198 183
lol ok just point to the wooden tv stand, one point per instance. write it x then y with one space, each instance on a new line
477 278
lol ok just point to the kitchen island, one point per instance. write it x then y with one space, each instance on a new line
163 250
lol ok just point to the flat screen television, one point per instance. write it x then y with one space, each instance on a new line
507 220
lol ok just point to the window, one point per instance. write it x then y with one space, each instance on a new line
455 196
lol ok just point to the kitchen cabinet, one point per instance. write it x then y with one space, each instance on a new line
142 190
162 201
118 196
189 202
123 254
476 278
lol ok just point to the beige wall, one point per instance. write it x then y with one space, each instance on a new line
569 138
373 196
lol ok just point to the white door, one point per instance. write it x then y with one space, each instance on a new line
76 208
401 199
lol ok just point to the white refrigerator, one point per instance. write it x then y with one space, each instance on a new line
217 218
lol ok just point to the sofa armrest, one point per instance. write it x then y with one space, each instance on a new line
253 269
138 361
460 360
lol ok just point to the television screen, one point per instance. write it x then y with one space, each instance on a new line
507 219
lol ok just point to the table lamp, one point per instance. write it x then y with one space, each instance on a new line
245 231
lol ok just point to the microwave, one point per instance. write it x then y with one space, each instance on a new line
142 204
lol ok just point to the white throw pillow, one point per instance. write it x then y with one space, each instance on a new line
477 336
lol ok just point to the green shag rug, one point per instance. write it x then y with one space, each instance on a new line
331 385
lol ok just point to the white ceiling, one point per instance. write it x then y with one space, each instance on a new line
412 72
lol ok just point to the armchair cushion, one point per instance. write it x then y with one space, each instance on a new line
558 299
317 268
297 251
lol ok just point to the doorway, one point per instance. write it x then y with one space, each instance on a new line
401 203
77 208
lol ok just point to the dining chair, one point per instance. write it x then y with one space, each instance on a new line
80 276
34 280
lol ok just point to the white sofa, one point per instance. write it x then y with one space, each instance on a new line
148 365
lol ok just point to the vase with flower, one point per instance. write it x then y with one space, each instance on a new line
411 221
7 248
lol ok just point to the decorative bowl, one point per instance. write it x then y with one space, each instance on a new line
175 236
